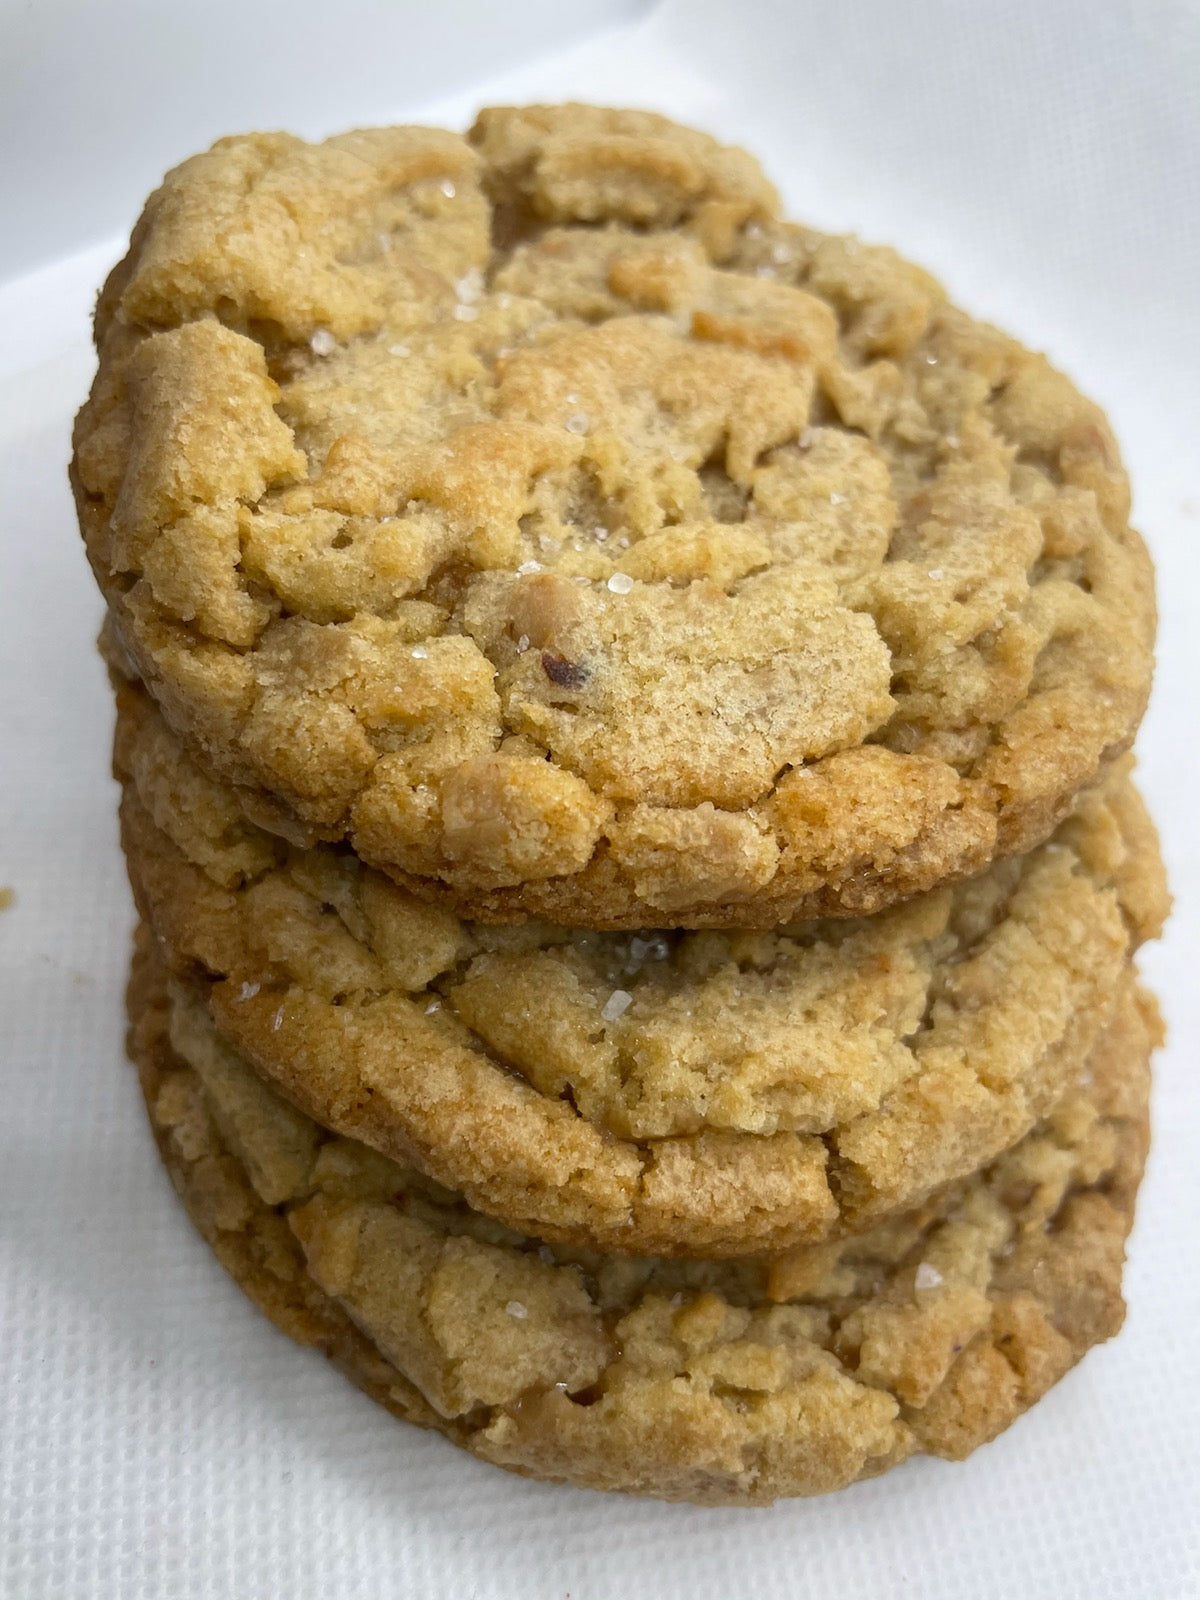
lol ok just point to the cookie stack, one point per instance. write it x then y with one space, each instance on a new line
621 711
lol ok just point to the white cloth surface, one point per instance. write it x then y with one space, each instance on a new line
157 1438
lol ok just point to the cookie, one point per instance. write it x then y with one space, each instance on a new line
543 515
658 1093
728 1382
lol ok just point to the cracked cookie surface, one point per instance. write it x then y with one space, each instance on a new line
672 1092
541 513
720 1382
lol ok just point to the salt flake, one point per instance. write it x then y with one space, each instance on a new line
620 583
928 1277
617 1004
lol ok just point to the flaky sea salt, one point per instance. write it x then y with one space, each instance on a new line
620 583
322 343
248 991
470 285
928 1277
434 1005
277 1021
936 573
516 1309
837 499
420 653
447 188
655 948
465 313
617 1004
579 422
528 568
522 644
399 350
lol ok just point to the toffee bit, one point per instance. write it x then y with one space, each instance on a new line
566 674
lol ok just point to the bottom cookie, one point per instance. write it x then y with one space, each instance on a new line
729 1382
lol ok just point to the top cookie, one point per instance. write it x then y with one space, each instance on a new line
541 513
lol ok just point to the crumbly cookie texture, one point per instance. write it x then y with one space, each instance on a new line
541 513
662 1092
726 1382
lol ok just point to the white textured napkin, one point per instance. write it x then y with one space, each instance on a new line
157 1438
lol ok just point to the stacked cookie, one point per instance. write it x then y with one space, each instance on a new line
621 711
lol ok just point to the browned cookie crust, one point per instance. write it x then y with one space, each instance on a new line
718 1382
663 1093
541 513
